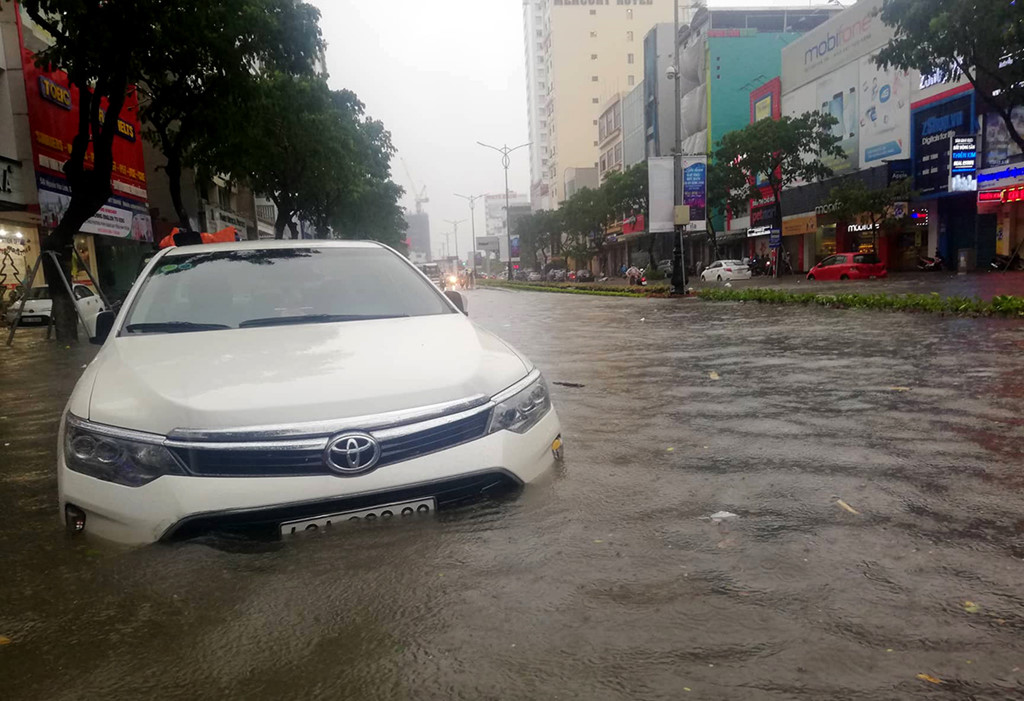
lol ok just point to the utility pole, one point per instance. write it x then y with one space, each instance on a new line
505 151
472 221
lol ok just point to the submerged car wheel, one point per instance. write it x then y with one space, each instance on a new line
719 278
844 277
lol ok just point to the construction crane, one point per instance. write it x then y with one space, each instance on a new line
419 194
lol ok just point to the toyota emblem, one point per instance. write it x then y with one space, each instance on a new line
352 453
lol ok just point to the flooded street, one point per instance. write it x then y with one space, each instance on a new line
871 465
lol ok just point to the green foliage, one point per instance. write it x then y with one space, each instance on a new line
962 37
1005 305
852 198
781 152
210 55
571 288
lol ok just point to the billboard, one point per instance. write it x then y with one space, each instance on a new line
844 38
52 104
661 194
695 191
836 95
963 164
884 113
932 128
489 244
999 148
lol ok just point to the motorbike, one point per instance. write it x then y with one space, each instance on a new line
759 265
1001 262
929 264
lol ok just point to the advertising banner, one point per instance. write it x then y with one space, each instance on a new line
661 195
1000 149
932 128
514 244
836 95
695 191
119 217
846 37
884 113
963 164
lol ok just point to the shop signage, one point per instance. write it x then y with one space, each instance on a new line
990 196
775 239
933 127
899 170
759 231
660 186
861 227
119 217
489 244
1001 176
763 214
53 121
798 226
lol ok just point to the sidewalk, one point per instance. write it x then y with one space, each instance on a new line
981 284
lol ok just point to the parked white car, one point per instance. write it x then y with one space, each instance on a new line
39 306
290 386
722 270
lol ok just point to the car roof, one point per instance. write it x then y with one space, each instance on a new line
271 245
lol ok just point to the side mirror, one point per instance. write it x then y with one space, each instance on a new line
457 299
104 323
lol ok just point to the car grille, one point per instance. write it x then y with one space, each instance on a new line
309 461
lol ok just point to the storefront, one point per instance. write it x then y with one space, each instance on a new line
798 239
1001 216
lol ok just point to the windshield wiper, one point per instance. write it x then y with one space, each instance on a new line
173 327
315 319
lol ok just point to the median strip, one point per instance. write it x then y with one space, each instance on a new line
1001 305
569 288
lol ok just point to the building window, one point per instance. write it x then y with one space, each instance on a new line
593 35
540 33
618 153
593 79
629 36
594 100
629 14
595 143
593 12
224 197
595 122
593 57
631 80
629 59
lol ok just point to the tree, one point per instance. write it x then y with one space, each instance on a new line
852 198
779 152
585 216
99 45
981 39
206 66
726 193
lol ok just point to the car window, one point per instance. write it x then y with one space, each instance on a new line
866 258
828 261
230 288
82 292
716 264
839 260
39 293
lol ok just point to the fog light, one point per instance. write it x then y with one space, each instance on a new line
74 519
556 448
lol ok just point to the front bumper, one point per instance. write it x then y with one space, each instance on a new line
177 506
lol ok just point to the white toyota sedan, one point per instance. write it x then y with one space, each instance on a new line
722 270
290 386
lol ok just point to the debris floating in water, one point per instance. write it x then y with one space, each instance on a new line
569 384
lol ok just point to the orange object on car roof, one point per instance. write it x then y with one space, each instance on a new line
177 237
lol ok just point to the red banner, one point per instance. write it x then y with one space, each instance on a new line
53 119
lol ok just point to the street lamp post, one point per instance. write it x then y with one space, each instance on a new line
455 233
472 221
678 269
505 151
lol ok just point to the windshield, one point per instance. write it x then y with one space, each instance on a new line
270 287
39 293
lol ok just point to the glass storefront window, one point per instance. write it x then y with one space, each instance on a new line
825 241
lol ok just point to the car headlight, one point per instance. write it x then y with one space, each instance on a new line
521 412
95 452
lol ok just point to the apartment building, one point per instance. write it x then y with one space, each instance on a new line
579 55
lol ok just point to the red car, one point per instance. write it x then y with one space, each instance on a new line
848 266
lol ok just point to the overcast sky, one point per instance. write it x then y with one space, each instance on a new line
442 75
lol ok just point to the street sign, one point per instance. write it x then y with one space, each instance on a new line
775 239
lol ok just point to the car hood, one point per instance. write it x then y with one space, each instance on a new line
241 378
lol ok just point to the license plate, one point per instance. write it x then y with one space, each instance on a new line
401 510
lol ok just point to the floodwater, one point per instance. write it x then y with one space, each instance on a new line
611 582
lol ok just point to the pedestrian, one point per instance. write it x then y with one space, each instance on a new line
633 274
472 279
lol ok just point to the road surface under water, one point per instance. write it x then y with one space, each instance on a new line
611 582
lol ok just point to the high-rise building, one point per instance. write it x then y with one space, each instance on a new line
579 55
418 234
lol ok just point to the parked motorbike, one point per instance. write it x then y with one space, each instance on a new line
759 265
929 264
1014 262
